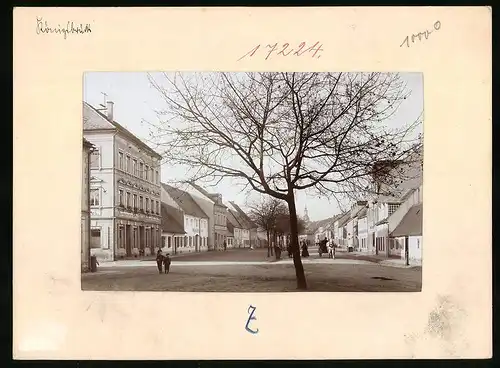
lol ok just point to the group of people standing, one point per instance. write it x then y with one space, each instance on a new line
163 261
304 246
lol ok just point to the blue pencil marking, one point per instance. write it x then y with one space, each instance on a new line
250 318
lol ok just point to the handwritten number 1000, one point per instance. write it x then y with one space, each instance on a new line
285 50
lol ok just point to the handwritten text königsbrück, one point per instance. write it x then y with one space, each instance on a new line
43 27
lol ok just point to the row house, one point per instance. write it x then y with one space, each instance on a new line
124 188
250 229
235 229
195 221
407 235
172 225
242 233
85 215
208 207
340 229
384 211
216 210
358 210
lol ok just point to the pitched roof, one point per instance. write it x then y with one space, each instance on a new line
243 217
231 218
170 220
185 201
361 213
411 224
230 226
106 124
344 218
214 197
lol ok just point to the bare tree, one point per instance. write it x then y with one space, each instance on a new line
266 215
283 132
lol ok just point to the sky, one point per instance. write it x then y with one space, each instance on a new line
135 101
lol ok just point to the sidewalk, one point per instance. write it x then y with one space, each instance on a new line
145 263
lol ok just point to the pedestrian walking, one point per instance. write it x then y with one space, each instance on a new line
159 260
331 249
166 263
277 252
225 245
305 252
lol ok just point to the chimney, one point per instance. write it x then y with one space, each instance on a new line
109 110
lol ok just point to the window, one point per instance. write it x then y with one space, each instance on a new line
120 197
141 204
127 164
146 172
393 208
134 167
158 207
120 160
95 238
94 197
141 170
109 238
157 177
135 201
128 199
121 238
95 159
147 204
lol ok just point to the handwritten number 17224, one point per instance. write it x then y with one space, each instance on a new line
285 50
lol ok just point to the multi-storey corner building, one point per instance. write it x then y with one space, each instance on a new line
85 219
125 188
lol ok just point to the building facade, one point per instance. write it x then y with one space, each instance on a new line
85 216
125 189
172 225
220 231
208 207
249 229
236 229
195 220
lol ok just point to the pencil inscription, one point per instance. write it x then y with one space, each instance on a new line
43 27
420 35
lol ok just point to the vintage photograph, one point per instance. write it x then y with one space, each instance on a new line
252 181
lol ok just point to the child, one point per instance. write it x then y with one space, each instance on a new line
159 260
166 263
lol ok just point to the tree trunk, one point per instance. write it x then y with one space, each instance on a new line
268 244
294 241
273 242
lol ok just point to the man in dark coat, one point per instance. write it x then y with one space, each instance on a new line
159 260
166 263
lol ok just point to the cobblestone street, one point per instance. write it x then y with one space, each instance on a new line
224 274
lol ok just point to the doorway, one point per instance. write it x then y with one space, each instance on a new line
128 241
